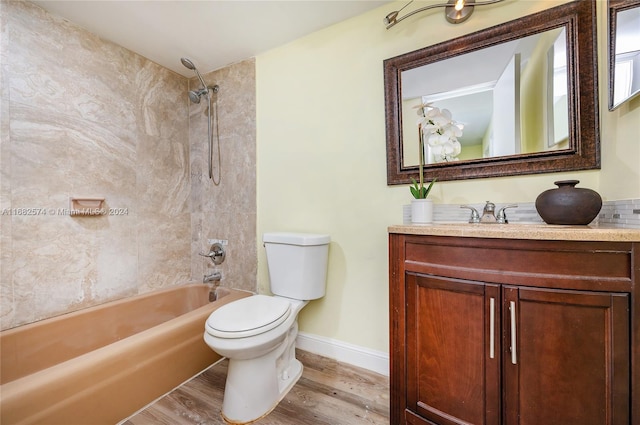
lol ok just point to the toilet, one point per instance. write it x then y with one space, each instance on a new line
257 334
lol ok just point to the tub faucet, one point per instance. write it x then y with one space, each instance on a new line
216 276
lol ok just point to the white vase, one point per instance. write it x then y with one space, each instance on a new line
421 211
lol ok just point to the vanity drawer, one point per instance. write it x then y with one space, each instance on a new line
555 264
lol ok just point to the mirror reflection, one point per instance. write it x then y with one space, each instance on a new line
507 99
625 46
539 113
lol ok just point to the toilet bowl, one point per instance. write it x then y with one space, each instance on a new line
257 334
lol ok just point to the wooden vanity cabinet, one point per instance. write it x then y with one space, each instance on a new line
512 332
450 375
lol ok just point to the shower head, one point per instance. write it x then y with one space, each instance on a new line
194 96
189 64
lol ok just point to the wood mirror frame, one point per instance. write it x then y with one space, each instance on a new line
579 20
615 7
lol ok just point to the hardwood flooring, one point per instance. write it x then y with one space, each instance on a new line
328 393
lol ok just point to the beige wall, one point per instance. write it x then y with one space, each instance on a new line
321 156
84 117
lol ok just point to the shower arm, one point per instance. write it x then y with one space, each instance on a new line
204 85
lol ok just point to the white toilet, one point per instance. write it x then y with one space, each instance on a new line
257 334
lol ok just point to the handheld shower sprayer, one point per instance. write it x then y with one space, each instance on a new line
195 96
190 65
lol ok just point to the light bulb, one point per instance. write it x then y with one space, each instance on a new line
459 5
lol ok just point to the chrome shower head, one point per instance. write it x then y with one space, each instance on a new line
188 63
194 96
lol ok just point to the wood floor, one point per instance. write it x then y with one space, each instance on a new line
328 393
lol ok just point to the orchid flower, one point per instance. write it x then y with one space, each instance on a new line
440 130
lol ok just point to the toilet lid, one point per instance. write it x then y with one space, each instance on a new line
248 316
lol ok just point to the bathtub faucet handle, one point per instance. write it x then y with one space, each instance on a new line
216 253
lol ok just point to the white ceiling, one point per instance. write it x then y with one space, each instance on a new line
212 33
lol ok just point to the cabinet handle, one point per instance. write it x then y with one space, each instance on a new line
492 327
512 310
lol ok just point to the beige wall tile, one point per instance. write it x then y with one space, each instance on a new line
84 117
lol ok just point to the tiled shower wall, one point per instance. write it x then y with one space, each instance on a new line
226 211
80 116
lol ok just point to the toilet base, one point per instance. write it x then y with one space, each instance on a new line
254 387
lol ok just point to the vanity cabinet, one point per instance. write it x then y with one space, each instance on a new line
513 332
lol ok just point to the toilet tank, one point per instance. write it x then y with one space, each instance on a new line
297 264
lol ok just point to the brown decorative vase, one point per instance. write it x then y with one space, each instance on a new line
568 204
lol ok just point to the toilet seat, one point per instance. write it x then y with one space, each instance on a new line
248 317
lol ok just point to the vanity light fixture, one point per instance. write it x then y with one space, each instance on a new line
455 11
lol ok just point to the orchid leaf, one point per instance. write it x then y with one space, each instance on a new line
421 192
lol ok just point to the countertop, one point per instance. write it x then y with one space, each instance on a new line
539 231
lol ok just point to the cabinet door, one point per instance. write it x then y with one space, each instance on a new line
566 357
453 352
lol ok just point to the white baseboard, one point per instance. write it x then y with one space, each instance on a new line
373 360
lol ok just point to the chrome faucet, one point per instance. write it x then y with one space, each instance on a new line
475 217
488 214
216 276
216 253
501 218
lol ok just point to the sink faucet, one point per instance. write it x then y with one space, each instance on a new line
501 218
475 217
488 214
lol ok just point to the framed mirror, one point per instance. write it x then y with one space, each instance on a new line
624 51
524 93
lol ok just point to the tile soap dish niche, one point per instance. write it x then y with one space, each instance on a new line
85 205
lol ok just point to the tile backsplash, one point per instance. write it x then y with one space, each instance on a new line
622 213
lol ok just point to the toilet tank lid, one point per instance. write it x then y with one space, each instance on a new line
288 238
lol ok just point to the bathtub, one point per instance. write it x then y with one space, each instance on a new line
101 364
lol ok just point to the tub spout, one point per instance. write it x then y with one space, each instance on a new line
213 277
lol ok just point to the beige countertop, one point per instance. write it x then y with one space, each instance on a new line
520 231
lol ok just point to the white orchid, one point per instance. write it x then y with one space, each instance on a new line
441 132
